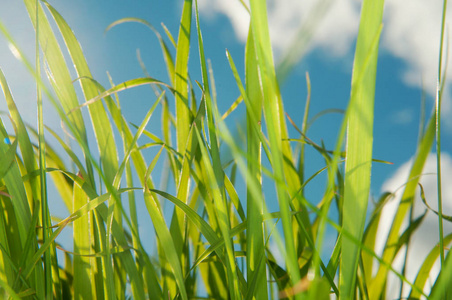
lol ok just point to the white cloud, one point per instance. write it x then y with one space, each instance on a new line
411 30
427 236
336 31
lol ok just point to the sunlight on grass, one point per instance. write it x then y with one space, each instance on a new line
211 241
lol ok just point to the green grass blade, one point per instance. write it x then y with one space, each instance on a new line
183 125
439 93
272 111
61 79
82 238
424 271
376 287
255 228
119 87
166 240
181 77
359 142
217 170
442 288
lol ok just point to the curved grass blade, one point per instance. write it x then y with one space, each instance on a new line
121 87
426 267
165 50
426 142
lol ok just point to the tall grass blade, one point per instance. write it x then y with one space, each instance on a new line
376 287
439 92
275 128
60 77
255 227
359 142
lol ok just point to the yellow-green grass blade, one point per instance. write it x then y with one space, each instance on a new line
101 124
183 124
270 90
227 137
217 193
121 123
119 87
255 229
82 239
61 79
438 101
304 128
9 291
219 190
133 145
51 276
359 243
254 121
442 289
197 220
15 188
426 267
359 142
117 231
275 130
8 244
370 235
53 160
165 50
426 142
21 134
177 227
181 78
153 286
166 241
8 159
233 106
143 263
232 193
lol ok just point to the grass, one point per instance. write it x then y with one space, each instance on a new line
214 242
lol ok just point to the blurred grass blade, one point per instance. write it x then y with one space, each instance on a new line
424 272
442 289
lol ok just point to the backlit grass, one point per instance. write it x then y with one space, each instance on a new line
214 242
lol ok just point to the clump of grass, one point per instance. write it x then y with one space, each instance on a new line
214 243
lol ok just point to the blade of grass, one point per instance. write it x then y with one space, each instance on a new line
255 229
406 201
272 111
359 142
424 271
60 77
217 169
52 289
166 240
439 92
183 124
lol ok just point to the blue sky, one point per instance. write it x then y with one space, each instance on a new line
407 65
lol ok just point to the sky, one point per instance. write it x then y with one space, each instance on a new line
321 34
